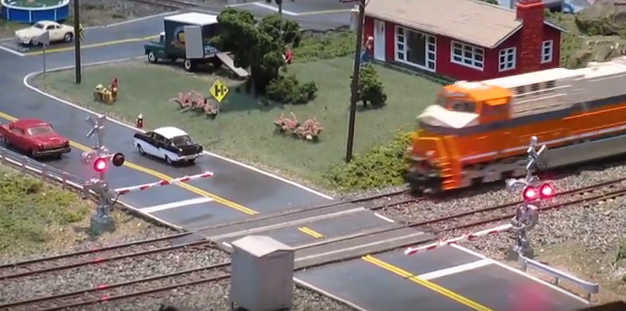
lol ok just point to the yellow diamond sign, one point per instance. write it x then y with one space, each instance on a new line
219 90
80 32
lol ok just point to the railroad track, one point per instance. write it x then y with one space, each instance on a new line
129 289
219 272
96 256
388 199
467 220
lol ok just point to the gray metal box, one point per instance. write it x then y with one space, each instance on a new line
261 274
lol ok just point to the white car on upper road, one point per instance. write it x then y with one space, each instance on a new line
168 143
58 32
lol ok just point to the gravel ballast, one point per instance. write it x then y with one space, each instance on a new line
582 239
109 273
210 297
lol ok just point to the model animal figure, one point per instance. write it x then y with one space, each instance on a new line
478 132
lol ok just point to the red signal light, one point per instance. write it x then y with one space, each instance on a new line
530 193
546 191
100 165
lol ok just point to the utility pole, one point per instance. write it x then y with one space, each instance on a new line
77 38
354 98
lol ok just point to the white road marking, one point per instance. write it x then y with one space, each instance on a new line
133 20
227 244
384 218
162 207
456 269
14 52
273 8
522 273
239 4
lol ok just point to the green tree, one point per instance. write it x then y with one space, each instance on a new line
491 1
257 46
371 90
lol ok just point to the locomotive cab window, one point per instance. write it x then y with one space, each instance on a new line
495 110
462 106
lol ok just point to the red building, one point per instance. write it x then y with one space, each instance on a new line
463 39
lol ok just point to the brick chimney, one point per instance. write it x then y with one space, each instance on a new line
530 12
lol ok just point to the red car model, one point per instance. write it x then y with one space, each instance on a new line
35 137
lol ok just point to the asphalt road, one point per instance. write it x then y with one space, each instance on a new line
382 282
253 192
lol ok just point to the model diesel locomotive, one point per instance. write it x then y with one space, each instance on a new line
478 132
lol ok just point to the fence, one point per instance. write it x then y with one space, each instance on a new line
68 181
39 169
588 287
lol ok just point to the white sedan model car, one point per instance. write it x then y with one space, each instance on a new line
169 143
58 32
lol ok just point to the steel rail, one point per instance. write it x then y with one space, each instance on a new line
104 287
302 209
19 264
102 260
510 215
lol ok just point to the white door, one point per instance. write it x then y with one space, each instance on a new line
150 147
379 40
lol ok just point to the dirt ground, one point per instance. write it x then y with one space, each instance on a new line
586 265
575 261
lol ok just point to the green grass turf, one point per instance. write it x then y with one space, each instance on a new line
244 130
33 214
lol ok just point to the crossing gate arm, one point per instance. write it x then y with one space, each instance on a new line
163 182
590 288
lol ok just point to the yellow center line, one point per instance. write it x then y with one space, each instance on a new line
311 232
430 285
100 44
156 174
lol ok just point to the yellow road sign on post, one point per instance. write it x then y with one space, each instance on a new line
80 32
219 90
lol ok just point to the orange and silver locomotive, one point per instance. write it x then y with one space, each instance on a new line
479 131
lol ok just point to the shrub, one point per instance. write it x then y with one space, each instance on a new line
288 90
371 89
381 166
316 47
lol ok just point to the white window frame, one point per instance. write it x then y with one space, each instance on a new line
504 63
401 49
457 55
548 46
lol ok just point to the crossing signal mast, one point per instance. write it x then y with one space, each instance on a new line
533 192
98 159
